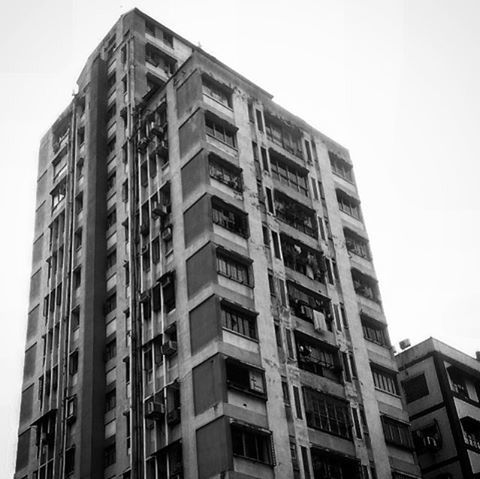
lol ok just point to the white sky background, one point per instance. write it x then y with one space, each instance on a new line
396 82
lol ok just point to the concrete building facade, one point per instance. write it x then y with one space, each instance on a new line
203 301
442 390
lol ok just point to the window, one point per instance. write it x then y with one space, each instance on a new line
111 350
110 455
415 388
110 400
241 376
239 321
327 464
428 438
264 158
111 259
77 278
349 205
158 59
111 181
220 131
216 91
396 432
79 202
471 432
168 291
289 138
307 304
327 413
77 240
385 380
294 214
229 218
168 39
303 259
225 173
59 166
317 358
298 406
156 250
458 382
356 244
111 217
252 443
58 194
234 270
110 303
340 167
73 363
150 28
111 145
276 245
289 174
259 120
69 461
111 112
365 286
285 393
374 330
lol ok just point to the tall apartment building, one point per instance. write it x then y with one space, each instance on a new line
442 390
203 301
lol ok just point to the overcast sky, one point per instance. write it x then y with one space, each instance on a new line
396 82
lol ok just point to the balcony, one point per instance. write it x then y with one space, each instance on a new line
295 214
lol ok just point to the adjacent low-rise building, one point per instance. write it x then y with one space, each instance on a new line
442 391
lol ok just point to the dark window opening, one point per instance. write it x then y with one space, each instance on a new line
286 136
374 330
327 413
356 244
233 269
365 286
226 174
385 380
239 321
349 205
220 131
229 218
302 259
318 358
397 433
240 376
218 92
295 215
288 173
251 443
310 306
340 167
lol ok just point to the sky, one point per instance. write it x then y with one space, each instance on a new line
394 81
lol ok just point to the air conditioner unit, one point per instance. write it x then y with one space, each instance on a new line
159 210
319 322
177 475
167 233
154 409
144 297
156 129
168 348
173 416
